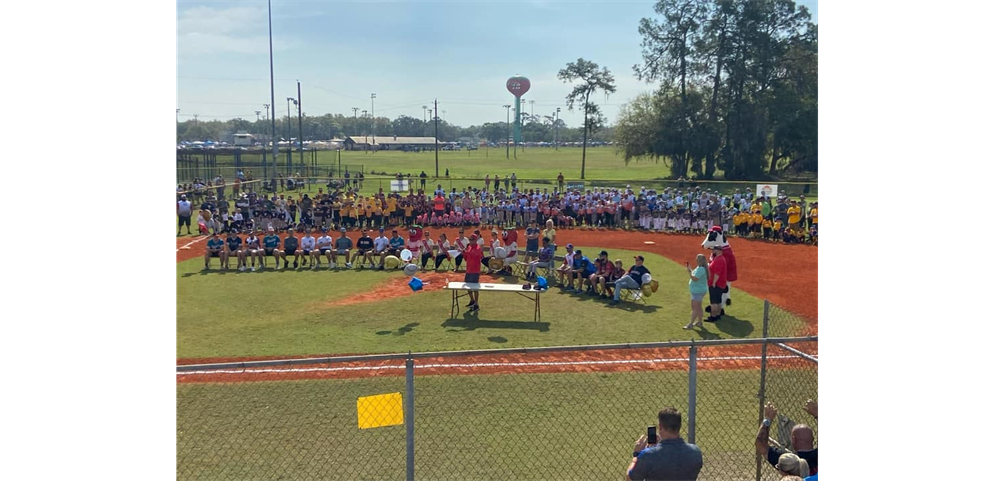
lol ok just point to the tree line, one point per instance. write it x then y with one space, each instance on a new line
738 89
536 128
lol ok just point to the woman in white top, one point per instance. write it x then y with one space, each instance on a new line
442 250
460 244
428 249
495 244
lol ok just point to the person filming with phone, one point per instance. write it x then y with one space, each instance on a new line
661 454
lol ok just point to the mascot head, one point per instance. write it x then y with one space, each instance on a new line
509 236
715 238
415 233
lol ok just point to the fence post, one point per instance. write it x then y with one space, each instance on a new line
692 391
761 394
409 416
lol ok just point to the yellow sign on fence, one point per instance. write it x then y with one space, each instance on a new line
380 410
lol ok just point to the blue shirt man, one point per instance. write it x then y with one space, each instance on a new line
669 459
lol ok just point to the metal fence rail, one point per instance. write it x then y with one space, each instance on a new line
551 413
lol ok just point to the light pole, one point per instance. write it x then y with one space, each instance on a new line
300 125
373 119
556 130
272 89
289 99
532 104
354 110
423 109
507 122
257 114
267 111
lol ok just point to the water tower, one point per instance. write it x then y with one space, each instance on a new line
518 85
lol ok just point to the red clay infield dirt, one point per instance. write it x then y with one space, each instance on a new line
787 275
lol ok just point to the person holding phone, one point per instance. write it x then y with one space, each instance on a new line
669 457
698 285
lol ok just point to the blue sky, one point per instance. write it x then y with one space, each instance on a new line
408 52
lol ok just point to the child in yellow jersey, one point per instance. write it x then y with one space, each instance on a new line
758 221
767 226
777 230
750 224
409 214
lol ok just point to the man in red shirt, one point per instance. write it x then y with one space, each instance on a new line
717 276
473 254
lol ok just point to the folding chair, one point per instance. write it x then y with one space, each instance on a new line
633 295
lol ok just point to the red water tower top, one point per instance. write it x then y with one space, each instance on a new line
518 85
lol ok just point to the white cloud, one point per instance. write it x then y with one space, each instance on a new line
243 29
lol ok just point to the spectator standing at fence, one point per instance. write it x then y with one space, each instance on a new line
559 181
423 176
802 439
670 458
632 280
184 210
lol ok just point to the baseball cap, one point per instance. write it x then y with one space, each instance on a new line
342 229
183 196
603 253
570 246
473 237
640 258
381 229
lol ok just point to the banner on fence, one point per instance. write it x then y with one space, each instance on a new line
575 186
767 190
398 185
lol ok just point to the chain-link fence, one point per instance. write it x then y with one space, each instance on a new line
551 413
784 323
209 163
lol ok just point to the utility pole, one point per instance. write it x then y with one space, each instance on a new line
272 90
373 118
354 110
267 111
556 130
507 122
195 118
300 127
532 104
257 114
436 138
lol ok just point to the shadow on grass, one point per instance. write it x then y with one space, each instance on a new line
733 326
497 339
401 330
471 322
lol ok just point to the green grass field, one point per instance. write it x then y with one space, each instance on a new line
603 168
287 313
525 426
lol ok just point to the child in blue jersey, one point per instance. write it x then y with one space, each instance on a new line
270 244
215 248
234 249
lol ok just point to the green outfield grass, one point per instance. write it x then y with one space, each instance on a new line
604 167
523 426
285 313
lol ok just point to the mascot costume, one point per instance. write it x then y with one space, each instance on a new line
416 242
716 237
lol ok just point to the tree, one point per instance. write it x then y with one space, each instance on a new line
592 79
668 56
494 131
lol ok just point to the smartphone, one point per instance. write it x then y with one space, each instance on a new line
651 435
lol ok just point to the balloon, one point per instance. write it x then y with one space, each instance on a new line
647 278
410 270
406 255
500 253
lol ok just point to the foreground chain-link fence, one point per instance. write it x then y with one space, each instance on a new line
549 413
